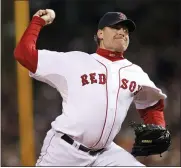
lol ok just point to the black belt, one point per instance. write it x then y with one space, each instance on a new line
81 147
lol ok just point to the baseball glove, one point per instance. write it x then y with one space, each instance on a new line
150 139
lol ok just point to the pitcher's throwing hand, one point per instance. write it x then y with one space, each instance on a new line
48 15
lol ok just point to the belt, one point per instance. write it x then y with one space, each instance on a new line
81 147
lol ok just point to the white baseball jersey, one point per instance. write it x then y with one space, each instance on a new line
96 93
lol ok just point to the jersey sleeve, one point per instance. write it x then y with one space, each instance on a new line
52 68
149 95
50 62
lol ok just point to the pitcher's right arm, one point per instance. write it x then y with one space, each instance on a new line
25 52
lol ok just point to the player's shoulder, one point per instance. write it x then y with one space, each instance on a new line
133 66
137 69
70 55
77 53
78 56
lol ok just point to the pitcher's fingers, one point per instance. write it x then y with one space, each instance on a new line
41 12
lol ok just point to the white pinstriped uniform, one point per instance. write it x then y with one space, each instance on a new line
96 96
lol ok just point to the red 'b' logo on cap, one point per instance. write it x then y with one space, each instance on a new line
122 16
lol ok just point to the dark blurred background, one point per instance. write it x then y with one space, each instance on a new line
155 46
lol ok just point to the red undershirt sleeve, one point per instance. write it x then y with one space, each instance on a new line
25 52
153 114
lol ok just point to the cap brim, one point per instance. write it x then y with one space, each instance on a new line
128 23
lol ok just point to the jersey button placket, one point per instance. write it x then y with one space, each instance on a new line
112 93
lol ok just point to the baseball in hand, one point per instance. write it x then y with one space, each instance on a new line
48 15
51 13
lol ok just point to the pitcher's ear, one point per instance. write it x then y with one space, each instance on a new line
100 34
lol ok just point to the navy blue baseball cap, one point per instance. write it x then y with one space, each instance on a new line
113 18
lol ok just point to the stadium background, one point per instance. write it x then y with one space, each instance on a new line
155 46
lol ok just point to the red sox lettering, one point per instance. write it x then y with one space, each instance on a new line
101 79
131 85
93 78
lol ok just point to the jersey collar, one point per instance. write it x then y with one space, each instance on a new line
110 55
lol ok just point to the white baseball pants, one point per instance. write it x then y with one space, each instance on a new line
57 152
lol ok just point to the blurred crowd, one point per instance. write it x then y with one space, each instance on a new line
155 46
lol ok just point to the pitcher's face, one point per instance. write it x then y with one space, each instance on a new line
114 38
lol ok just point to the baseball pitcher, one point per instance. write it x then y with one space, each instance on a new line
97 90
